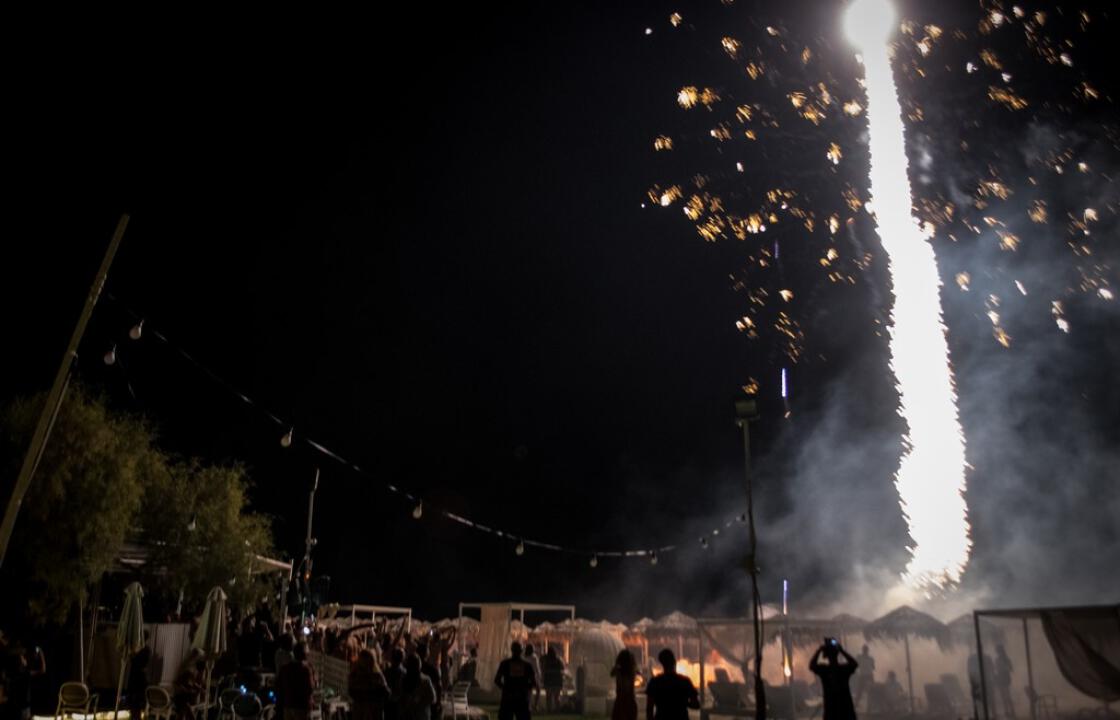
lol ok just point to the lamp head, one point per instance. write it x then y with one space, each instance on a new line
869 23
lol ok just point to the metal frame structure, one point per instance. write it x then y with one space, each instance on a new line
374 610
1022 614
521 608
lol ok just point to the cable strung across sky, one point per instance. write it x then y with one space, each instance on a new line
931 473
291 436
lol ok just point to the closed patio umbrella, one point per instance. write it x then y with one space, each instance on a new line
130 633
210 637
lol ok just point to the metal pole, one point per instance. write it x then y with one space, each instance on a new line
1030 671
54 397
909 673
980 663
745 418
308 544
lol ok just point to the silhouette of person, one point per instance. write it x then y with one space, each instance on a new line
834 680
516 680
865 678
1004 668
625 673
894 697
670 695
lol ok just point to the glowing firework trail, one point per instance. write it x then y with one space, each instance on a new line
931 474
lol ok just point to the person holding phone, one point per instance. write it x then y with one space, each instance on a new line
834 678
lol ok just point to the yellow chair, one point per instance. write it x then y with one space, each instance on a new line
75 698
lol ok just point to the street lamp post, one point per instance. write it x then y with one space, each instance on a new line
746 411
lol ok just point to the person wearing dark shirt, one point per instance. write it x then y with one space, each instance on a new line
138 679
516 680
834 677
433 674
394 678
670 695
296 685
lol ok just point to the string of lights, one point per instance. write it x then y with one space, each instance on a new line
142 329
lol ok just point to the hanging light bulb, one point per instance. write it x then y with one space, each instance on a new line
418 511
704 543
520 549
137 330
286 441
193 524
111 356
594 562
652 557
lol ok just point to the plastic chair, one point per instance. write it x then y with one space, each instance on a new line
460 702
75 697
226 698
157 703
246 706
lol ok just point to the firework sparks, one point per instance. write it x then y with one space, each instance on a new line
931 475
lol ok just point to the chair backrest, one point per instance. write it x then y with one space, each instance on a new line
247 705
157 698
722 675
227 698
73 694
952 686
460 692
937 699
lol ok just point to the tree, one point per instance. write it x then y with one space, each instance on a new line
87 491
201 533
101 482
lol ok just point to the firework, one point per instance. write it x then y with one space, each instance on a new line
931 474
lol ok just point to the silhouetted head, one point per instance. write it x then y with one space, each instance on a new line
397 656
529 650
865 649
625 662
300 652
515 649
366 660
891 677
832 652
412 664
474 652
422 651
668 660
551 652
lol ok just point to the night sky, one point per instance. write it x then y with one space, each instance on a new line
428 251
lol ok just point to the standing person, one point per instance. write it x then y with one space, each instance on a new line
553 679
625 674
433 674
367 689
670 695
865 678
1004 668
188 684
18 686
516 680
834 680
296 686
533 659
394 679
469 670
418 695
138 679
283 655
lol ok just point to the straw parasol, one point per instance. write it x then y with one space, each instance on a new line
900 624
210 637
130 633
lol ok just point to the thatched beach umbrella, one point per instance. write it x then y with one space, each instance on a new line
900 624
130 633
210 637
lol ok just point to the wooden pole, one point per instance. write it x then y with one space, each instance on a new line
54 397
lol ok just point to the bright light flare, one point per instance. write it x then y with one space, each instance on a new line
931 474
869 24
